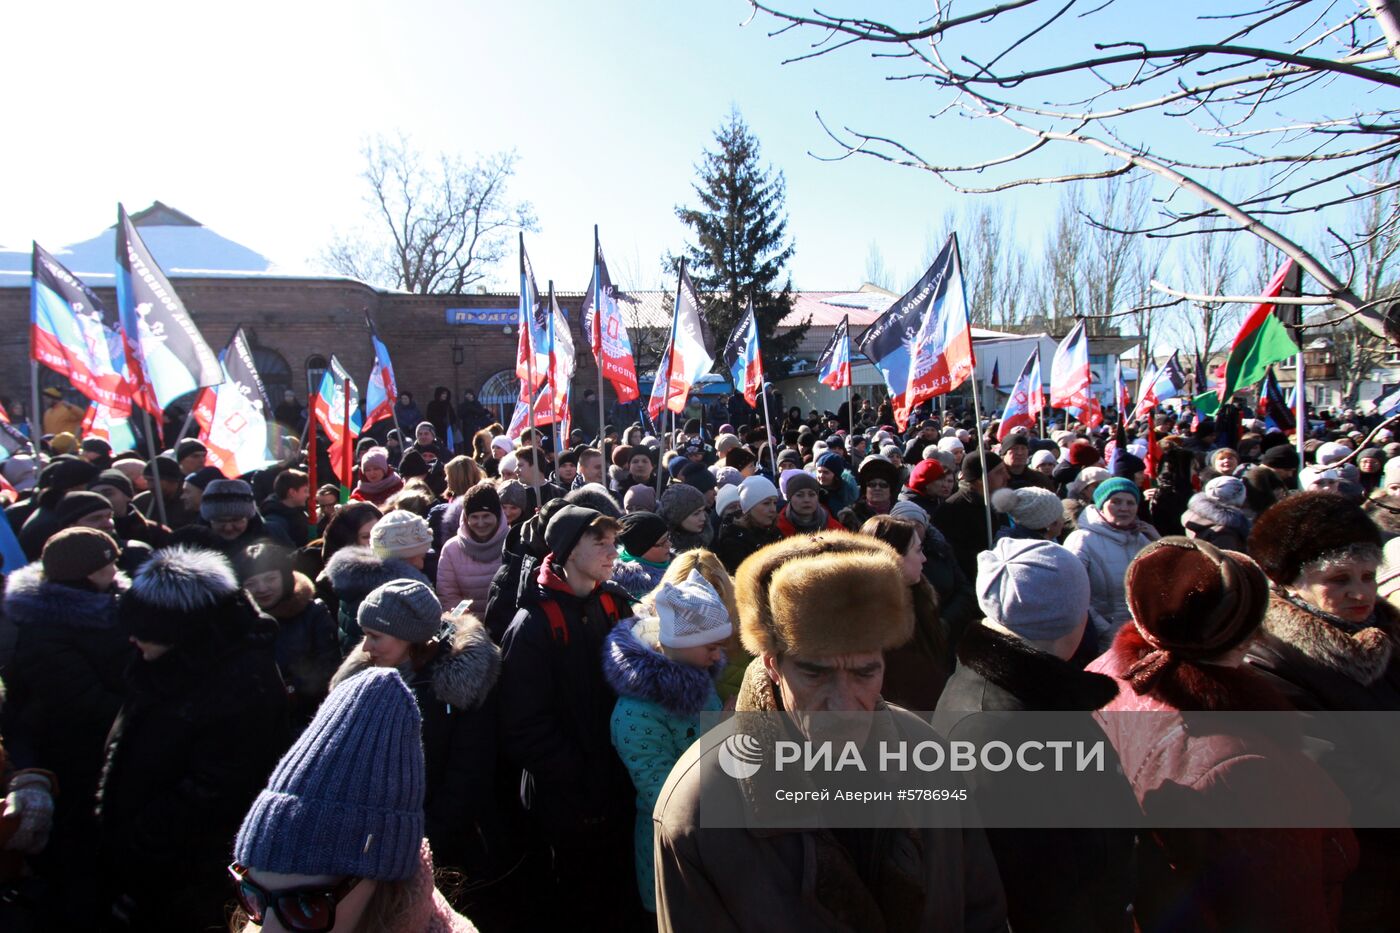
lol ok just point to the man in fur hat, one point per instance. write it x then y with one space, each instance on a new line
796 601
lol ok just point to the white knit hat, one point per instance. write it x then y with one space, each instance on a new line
501 442
400 534
754 490
950 444
691 613
1043 456
1331 452
727 496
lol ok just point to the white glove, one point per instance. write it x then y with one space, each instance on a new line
31 799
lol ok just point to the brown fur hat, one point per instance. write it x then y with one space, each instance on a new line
825 594
1298 530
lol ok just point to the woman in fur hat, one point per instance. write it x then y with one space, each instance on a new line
203 723
66 682
451 665
471 557
378 480
1217 514
335 840
663 663
1196 610
307 646
1328 643
1108 538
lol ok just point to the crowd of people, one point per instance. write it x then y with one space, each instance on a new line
468 696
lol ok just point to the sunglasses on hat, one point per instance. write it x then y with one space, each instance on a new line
309 909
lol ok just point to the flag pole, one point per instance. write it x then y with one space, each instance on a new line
670 362
768 421
35 420
553 389
1300 406
348 448
313 508
598 357
157 493
977 412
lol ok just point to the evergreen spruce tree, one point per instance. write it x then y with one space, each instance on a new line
741 247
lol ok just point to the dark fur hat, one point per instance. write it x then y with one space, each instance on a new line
820 595
1299 529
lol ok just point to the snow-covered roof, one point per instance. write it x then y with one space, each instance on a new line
182 246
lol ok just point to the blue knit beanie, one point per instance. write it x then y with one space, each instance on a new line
347 798
1110 487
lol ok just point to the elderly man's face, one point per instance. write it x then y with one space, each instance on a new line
833 684
1016 456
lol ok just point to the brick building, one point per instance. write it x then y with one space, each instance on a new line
293 322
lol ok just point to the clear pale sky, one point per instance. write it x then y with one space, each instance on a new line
249 117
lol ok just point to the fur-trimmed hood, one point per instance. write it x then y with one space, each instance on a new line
1186 686
1214 512
30 599
1039 680
462 676
636 578
635 669
295 602
354 572
1363 656
184 579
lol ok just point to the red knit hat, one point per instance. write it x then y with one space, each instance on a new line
1083 454
927 471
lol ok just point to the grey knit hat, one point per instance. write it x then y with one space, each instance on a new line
400 534
227 498
639 499
679 502
347 798
1030 507
1035 588
405 609
512 492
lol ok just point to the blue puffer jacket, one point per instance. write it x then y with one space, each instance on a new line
655 721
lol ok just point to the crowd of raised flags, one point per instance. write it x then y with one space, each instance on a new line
149 353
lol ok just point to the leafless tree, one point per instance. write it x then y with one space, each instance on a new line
1061 287
437 223
1373 230
876 271
1201 328
1300 91
1143 300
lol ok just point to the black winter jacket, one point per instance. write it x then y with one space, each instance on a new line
65 684
1055 879
736 541
202 729
467 805
556 707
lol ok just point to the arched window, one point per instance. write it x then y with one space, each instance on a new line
272 368
316 367
499 394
